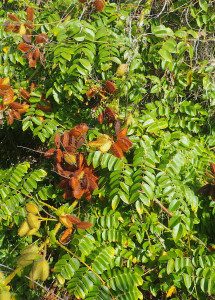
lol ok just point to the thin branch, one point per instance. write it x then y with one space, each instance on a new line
169 213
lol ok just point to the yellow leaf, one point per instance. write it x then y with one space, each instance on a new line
171 291
70 158
121 70
103 143
5 49
6 81
22 29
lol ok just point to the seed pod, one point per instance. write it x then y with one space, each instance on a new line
121 70
5 295
23 229
32 231
30 249
40 270
27 259
33 221
32 208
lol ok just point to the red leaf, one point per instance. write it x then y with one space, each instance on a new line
30 14
25 47
41 38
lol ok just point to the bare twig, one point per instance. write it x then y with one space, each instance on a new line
169 213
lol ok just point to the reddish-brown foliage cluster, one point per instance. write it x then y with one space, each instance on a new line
102 91
15 24
9 106
122 144
78 178
31 49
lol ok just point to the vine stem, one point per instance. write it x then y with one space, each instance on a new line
83 262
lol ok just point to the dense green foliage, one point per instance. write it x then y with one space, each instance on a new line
152 233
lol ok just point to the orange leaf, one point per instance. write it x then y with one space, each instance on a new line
24 94
68 220
36 53
59 155
65 139
41 38
124 143
212 165
110 87
24 108
13 17
79 130
10 118
16 105
8 97
49 152
25 47
30 14
100 118
84 225
31 60
78 192
117 151
65 236
16 114
57 140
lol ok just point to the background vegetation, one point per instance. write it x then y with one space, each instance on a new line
107 138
